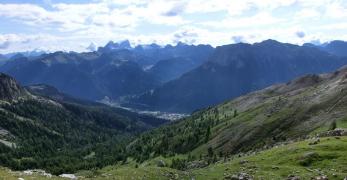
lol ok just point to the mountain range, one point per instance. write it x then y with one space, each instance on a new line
180 78
112 71
234 70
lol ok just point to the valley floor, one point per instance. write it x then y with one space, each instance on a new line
326 158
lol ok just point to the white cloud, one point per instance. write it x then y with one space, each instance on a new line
337 9
235 7
308 13
99 21
4 45
256 20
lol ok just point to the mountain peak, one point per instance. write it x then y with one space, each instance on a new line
154 45
116 46
9 88
181 44
125 44
269 42
335 42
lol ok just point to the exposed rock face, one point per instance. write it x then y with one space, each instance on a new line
9 89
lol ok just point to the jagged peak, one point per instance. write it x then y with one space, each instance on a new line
125 43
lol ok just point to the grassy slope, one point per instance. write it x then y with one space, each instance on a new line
276 163
280 162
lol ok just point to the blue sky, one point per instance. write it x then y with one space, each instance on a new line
53 25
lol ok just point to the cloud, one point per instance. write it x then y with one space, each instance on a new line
260 19
337 9
4 45
217 22
24 42
107 14
185 36
176 9
300 34
315 42
236 7
308 13
238 39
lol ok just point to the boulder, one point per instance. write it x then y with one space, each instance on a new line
320 178
293 177
161 163
335 132
239 176
314 142
196 164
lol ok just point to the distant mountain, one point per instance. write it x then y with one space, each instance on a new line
196 54
179 60
166 70
338 48
111 46
113 71
85 75
3 59
33 53
235 70
48 130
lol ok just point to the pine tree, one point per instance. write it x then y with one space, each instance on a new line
210 152
235 113
333 125
214 158
208 133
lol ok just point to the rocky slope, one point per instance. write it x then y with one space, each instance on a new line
9 89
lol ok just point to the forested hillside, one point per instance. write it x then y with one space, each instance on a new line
62 137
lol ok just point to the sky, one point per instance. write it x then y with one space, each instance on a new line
81 25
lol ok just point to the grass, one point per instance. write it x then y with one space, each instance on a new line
126 172
329 157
